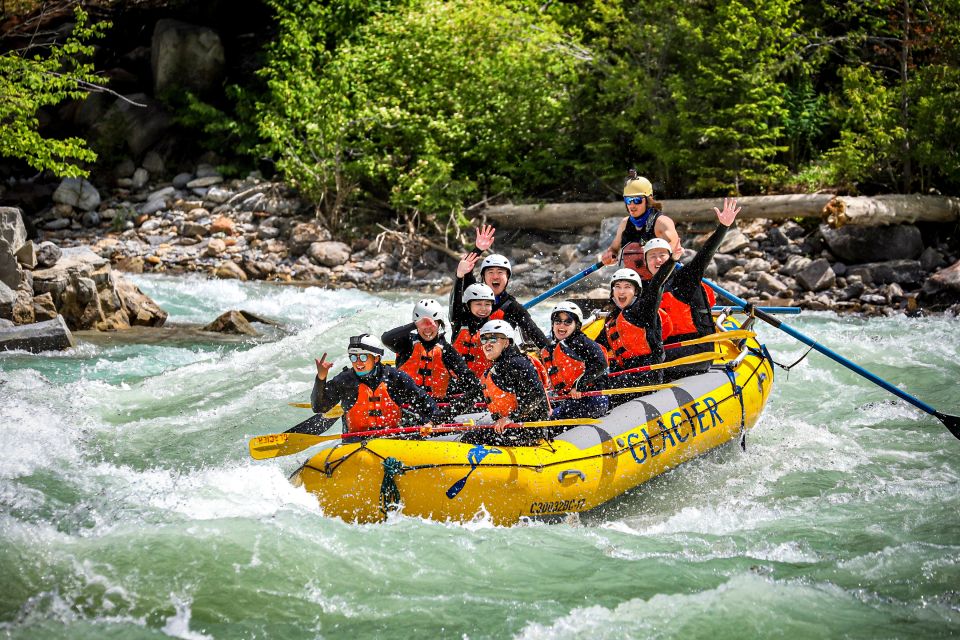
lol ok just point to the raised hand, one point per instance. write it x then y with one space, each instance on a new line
467 264
485 237
323 367
729 213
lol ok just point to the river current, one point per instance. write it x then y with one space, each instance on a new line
131 508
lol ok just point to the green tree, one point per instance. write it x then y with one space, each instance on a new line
421 109
29 83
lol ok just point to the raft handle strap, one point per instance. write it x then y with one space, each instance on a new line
389 493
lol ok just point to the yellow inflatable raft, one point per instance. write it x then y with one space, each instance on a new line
579 470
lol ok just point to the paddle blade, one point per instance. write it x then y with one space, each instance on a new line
458 486
301 405
276 445
950 422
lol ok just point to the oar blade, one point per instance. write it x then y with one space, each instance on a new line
950 422
276 445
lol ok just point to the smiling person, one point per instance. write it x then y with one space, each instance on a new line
424 354
512 389
575 364
495 272
466 319
633 332
372 394
643 221
686 299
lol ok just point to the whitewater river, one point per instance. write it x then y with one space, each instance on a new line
131 509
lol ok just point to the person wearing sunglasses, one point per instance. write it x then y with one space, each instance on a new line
643 220
575 364
633 332
424 354
373 395
512 389
495 272
686 299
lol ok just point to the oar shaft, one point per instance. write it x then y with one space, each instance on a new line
836 357
790 311
563 285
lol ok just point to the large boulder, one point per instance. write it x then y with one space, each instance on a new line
36 337
140 308
903 272
139 126
47 254
859 245
305 234
186 56
77 193
11 227
816 276
232 322
10 272
8 297
329 254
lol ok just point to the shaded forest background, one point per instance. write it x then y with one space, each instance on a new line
425 109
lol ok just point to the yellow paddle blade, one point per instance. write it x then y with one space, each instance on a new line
593 329
649 387
281 444
301 405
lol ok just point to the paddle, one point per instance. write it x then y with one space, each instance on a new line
614 392
679 362
737 334
563 285
950 422
789 311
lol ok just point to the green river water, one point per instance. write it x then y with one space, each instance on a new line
131 509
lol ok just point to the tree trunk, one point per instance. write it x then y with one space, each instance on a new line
891 209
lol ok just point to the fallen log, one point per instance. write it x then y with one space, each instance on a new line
38 336
877 210
885 210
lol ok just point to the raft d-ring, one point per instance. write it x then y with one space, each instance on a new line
760 379
570 472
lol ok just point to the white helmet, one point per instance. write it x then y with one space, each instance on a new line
428 308
568 307
499 326
657 243
365 343
478 291
496 260
626 274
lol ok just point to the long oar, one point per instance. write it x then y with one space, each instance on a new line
563 285
679 362
737 334
789 311
618 391
950 422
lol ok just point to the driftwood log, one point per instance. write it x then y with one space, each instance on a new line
835 210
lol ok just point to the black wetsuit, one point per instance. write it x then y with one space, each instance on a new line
642 234
402 341
344 387
686 286
579 347
643 312
514 373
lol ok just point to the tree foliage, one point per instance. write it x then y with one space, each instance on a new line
422 108
30 82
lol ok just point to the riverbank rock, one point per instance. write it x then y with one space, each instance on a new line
858 245
77 193
36 337
945 279
185 56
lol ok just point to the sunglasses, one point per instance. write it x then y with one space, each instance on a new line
491 337
634 199
567 321
363 357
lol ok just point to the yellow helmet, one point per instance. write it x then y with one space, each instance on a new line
639 186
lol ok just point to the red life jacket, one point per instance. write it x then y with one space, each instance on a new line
373 410
563 370
540 369
681 316
468 345
626 340
499 402
427 370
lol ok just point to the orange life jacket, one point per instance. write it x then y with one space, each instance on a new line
681 316
427 370
626 340
468 345
373 410
541 370
563 370
499 402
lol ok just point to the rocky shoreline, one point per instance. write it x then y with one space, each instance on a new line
253 229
